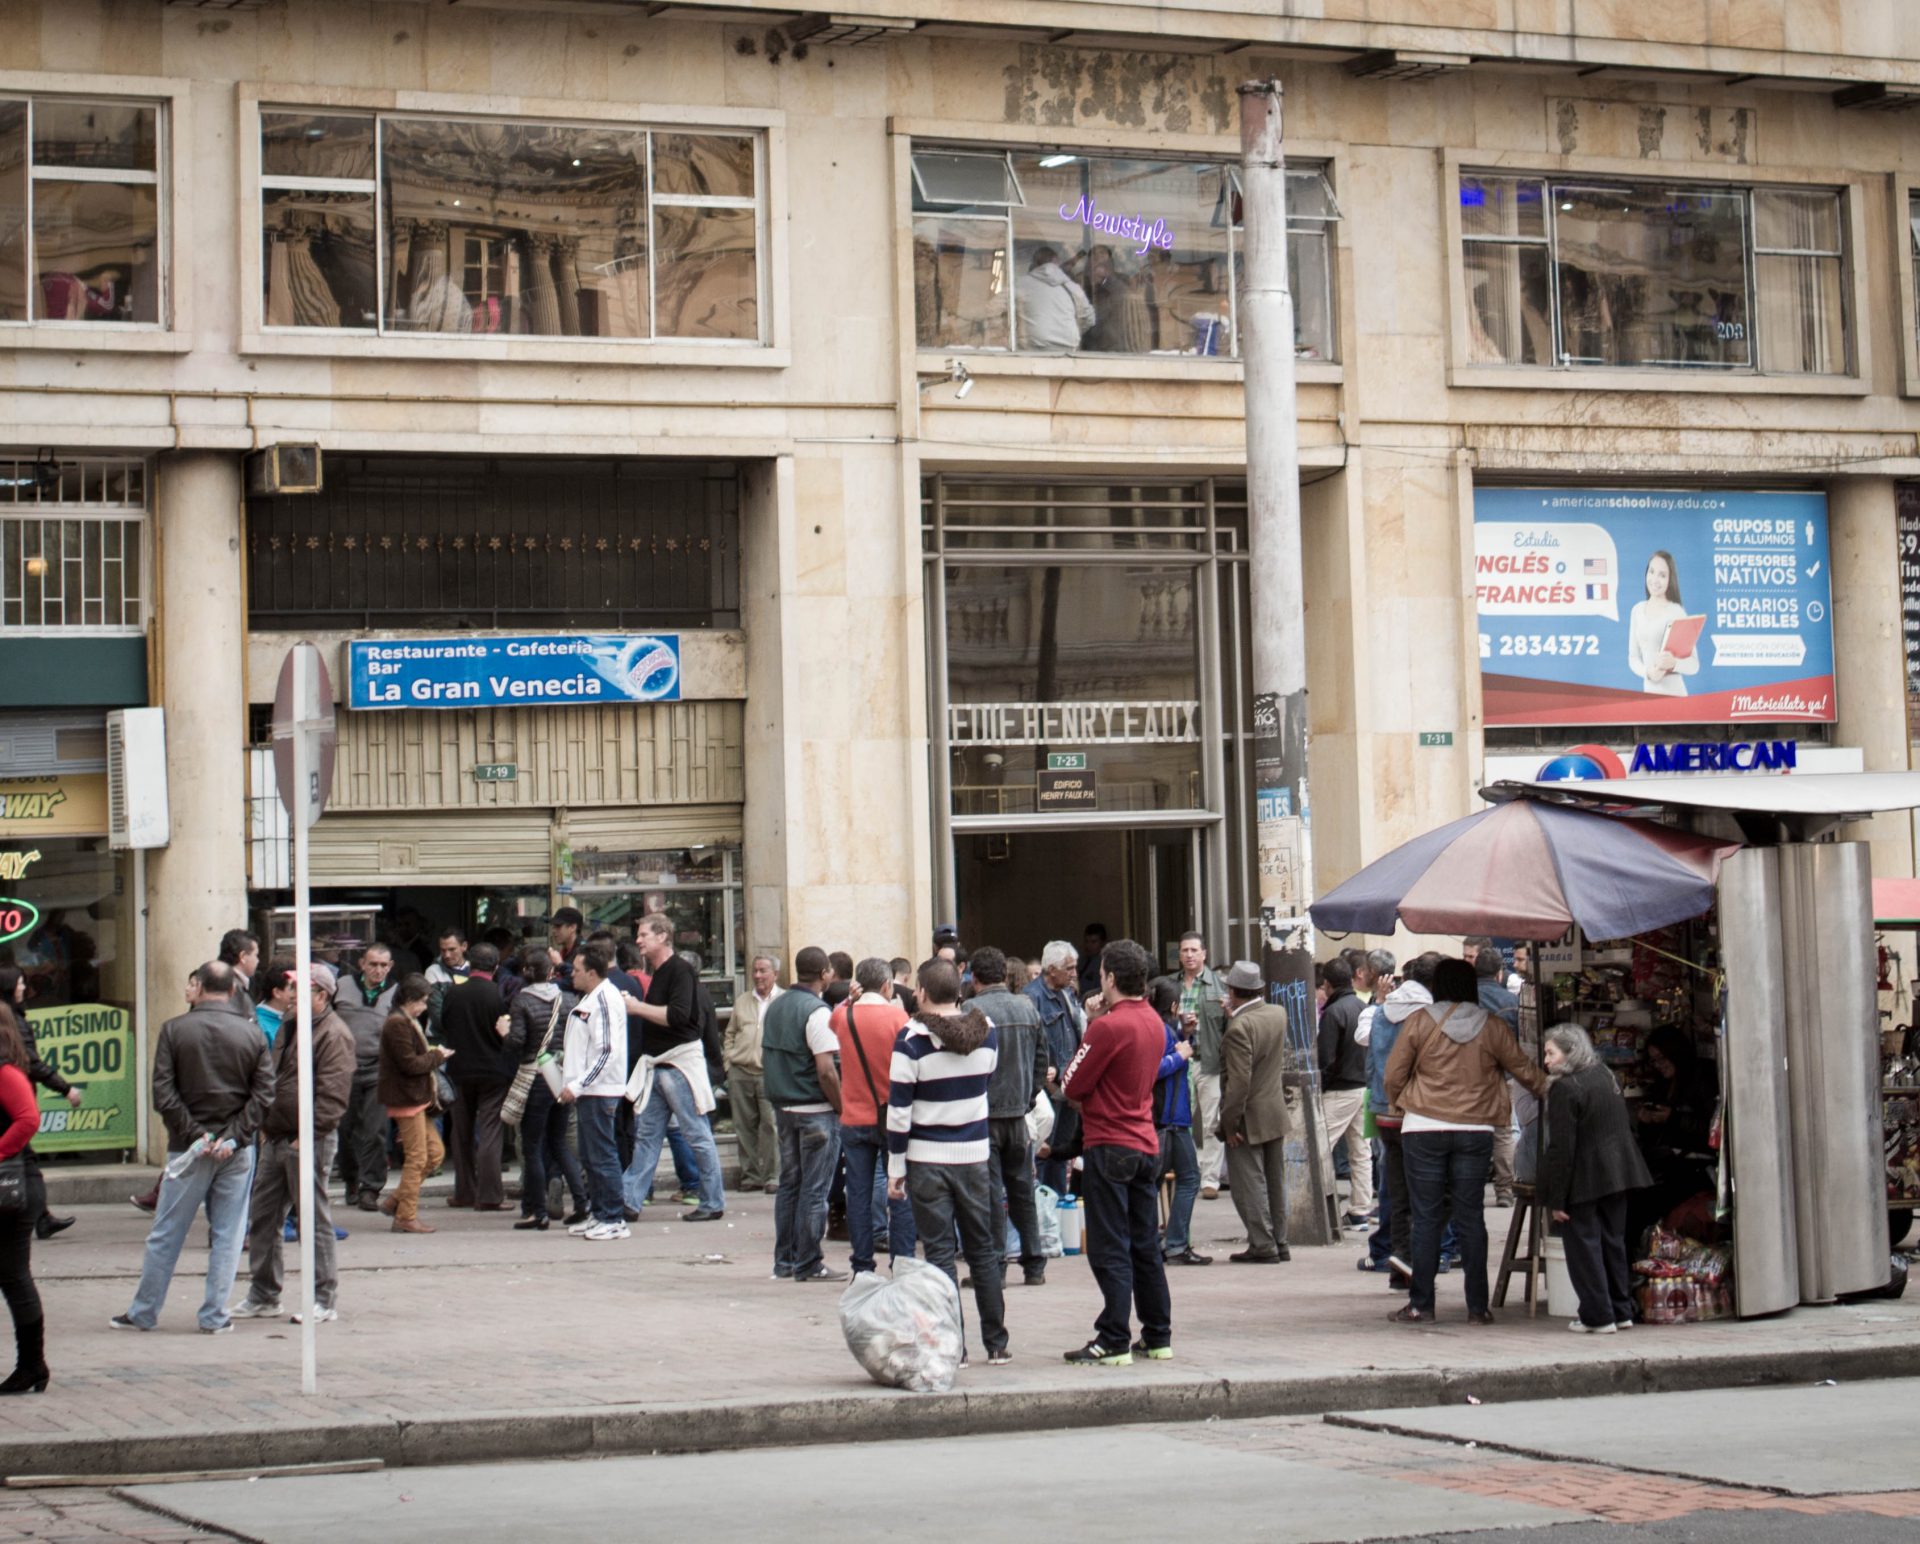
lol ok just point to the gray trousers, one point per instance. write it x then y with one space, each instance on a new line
753 1128
276 1183
1258 1174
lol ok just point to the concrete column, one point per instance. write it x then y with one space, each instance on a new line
197 885
1869 660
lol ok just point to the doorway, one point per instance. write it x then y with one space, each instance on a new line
1018 890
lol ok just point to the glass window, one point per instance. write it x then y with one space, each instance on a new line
526 229
71 547
79 211
698 889
1653 276
1059 253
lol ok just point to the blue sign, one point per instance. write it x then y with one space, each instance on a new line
1644 606
530 672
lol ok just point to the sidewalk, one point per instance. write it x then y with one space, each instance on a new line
480 1343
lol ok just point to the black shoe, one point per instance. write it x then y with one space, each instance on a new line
1285 1253
578 1215
368 1201
46 1225
1188 1257
702 1214
531 1224
30 1366
630 1214
823 1273
1034 1278
1482 1317
1251 1257
1398 1283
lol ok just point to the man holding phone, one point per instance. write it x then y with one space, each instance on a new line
1203 1021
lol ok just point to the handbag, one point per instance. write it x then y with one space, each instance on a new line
514 1107
16 1187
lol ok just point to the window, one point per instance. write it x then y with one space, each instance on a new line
72 536
1653 275
472 541
393 224
697 889
79 211
1066 253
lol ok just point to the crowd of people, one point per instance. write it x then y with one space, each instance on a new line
888 1105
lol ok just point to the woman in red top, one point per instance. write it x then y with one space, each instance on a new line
22 1113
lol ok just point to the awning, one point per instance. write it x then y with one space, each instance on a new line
1803 805
1896 900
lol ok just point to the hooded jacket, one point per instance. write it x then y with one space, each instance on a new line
528 1016
937 1095
1052 309
1389 1017
1447 1062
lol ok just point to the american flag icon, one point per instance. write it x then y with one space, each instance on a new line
1597 591
1596 568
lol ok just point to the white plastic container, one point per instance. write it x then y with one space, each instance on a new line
1071 1222
1562 1301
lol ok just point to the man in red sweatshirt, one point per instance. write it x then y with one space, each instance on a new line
1111 1082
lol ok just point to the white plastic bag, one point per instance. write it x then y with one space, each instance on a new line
1046 1204
1040 1119
906 1332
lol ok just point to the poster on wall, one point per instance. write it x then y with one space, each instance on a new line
1648 606
91 1046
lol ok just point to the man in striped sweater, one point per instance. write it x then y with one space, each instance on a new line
937 1151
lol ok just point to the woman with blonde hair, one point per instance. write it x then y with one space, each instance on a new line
1592 1162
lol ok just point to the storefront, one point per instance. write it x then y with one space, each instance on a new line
1090 707
541 702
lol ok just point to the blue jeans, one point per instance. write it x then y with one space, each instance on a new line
224 1189
686 1167
544 1150
600 1155
673 1095
1178 1154
1448 1170
809 1153
866 1150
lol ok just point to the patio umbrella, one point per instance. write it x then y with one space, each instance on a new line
1527 869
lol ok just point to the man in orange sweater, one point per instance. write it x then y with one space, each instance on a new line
866 1025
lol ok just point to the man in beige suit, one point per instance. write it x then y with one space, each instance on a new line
746 1096
1253 1113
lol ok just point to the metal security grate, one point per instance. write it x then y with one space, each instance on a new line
470 542
72 535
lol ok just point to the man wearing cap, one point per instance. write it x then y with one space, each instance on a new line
1253 1113
276 1179
946 943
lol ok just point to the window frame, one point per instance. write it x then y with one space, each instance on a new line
172 331
1011 359
766 128
1465 371
1905 192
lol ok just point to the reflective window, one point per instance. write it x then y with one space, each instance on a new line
698 889
1059 253
464 226
1653 276
79 211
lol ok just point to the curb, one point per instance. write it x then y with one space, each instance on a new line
1108 1400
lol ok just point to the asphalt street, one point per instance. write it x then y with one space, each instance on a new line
1298 1481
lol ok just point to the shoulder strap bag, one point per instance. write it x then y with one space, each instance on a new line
514 1107
860 1053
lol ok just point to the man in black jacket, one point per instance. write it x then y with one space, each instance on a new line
473 1023
212 1084
1343 1085
1020 1073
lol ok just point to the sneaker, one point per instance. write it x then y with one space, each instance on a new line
289 1233
1354 1220
321 1315
121 1322
1000 1358
1623 1324
686 1198
602 1231
146 1203
1093 1354
1153 1353
1581 1328
584 1225
223 1329
249 1309
823 1273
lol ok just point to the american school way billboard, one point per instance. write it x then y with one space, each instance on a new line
1647 606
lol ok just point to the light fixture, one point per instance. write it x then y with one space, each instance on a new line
37 567
1051 161
961 377
576 160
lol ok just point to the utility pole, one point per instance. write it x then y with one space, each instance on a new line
1279 620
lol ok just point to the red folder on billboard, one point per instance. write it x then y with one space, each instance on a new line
1683 634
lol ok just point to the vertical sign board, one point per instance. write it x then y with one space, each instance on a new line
1907 496
303 747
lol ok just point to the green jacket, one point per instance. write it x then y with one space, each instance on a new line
787 1064
1213 1018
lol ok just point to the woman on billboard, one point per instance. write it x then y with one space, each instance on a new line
1662 640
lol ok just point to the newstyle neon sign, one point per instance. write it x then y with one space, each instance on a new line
1126 227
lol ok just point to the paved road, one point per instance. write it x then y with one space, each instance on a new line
1296 1481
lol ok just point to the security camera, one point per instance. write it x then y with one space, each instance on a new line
961 377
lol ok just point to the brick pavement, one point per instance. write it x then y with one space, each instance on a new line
479 1318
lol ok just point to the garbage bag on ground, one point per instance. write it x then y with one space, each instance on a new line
1046 1205
907 1332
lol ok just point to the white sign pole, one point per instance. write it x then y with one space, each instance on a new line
304 772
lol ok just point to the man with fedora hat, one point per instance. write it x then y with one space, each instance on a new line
1253 1113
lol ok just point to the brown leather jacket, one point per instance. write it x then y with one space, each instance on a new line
1447 1066
333 1060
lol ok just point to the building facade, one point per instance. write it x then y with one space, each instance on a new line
873 381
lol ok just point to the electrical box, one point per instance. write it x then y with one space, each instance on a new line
137 778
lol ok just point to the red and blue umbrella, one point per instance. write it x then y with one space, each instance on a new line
1526 870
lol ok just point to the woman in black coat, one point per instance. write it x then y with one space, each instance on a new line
1592 1163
